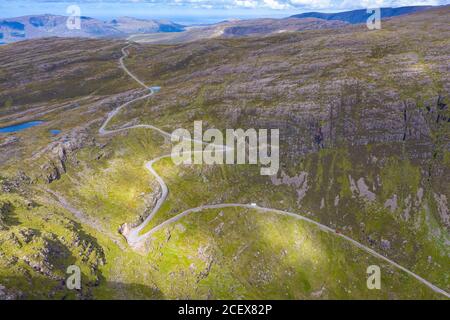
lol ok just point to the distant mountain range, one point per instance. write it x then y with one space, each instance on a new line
361 16
31 27
163 31
265 27
239 29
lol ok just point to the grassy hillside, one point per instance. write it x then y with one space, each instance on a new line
378 172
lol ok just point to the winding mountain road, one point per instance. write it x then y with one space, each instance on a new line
134 238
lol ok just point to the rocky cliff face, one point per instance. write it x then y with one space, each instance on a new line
59 153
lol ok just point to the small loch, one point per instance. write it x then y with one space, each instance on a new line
20 126
55 132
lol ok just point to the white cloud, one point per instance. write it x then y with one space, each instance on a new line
274 4
303 5
311 3
246 3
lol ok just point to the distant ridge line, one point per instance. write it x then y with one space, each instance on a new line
361 15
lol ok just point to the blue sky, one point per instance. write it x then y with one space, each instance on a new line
195 11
